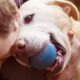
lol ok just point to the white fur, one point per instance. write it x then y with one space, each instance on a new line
47 19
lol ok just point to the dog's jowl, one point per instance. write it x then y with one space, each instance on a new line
45 26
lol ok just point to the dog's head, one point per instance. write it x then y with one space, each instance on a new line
8 26
42 23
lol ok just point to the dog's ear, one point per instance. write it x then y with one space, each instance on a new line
68 7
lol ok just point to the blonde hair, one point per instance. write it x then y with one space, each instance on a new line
8 10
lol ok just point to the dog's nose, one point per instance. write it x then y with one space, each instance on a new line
19 46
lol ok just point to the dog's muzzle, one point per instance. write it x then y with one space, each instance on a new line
40 51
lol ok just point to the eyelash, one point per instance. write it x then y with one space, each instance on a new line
28 19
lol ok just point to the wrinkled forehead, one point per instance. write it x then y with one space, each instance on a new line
44 12
30 7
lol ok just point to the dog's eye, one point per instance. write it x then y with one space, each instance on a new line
28 19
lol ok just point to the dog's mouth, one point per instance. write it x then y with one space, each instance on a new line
61 52
53 68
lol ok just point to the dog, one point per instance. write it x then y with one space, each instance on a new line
42 22
9 28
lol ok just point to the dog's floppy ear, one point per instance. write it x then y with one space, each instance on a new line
68 7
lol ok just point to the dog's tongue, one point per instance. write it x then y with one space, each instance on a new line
45 58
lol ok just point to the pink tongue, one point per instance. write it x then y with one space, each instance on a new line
59 57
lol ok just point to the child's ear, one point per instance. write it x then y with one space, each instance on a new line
68 7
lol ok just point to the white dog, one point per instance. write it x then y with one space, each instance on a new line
42 22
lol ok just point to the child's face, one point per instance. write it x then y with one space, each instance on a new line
9 28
